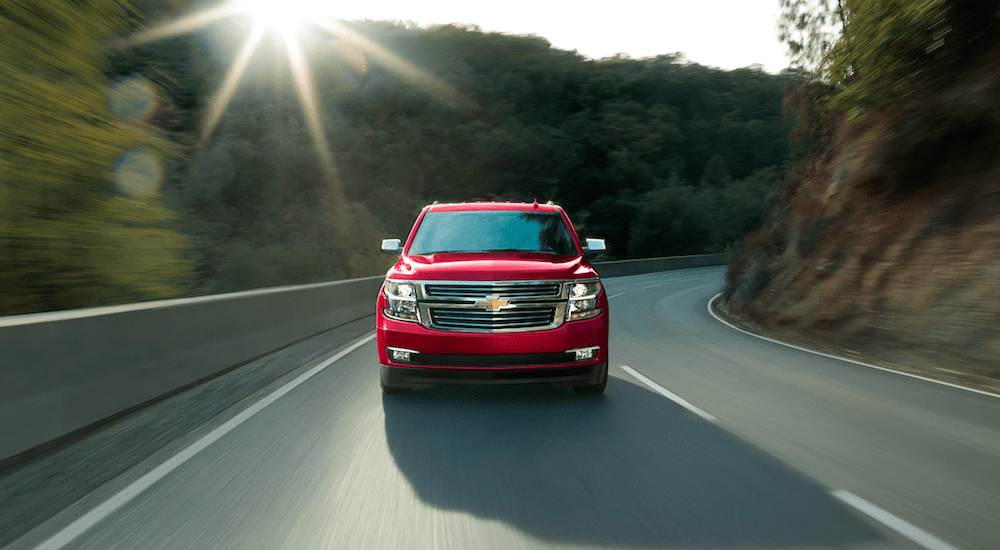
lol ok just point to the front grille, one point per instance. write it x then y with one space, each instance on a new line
486 320
492 306
508 290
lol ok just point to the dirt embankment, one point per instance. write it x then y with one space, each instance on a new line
887 248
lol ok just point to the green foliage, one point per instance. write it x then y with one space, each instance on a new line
810 28
679 219
809 104
739 206
67 237
887 51
610 218
877 53
715 174
614 141
668 224
594 136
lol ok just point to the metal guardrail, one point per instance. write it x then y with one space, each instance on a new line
62 371
652 265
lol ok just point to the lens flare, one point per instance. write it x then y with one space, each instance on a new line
402 68
133 98
183 25
138 174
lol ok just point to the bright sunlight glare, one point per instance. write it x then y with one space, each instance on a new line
286 18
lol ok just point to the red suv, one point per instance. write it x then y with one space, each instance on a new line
492 292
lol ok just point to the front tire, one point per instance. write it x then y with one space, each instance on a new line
595 388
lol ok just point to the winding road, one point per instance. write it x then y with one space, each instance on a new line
705 438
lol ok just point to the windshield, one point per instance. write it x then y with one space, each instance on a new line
492 230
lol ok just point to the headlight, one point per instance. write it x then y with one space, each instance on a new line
583 300
402 301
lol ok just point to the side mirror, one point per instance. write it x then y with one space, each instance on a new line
594 245
390 245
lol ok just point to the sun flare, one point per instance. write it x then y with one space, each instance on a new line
286 18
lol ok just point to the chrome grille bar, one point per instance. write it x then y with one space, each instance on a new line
481 290
492 306
480 319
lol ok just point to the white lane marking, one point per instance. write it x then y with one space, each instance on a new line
869 365
901 526
106 508
615 295
669 395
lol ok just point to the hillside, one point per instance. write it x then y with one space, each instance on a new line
885 244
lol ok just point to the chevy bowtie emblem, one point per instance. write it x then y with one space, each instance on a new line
493 303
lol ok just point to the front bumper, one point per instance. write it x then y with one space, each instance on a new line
492 358
412 377
504 348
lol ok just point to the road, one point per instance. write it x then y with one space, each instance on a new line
705 438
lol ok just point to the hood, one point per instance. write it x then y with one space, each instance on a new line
492 266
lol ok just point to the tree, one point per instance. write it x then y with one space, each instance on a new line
608 217
810 28
544 123
715 174
876 52
889 48
68 237
667 225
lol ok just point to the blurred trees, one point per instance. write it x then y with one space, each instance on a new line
81 222
659 155
530 121
888 46
810 28
877 54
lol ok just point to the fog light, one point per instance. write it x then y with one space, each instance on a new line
585 354
400 355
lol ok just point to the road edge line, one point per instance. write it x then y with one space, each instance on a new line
83 523
668 394
849 360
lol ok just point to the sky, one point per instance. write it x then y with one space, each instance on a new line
719 33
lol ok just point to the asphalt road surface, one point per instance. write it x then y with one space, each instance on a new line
705 438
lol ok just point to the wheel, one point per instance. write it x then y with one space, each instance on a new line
595 388
394 389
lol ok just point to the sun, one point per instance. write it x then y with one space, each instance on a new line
286 18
